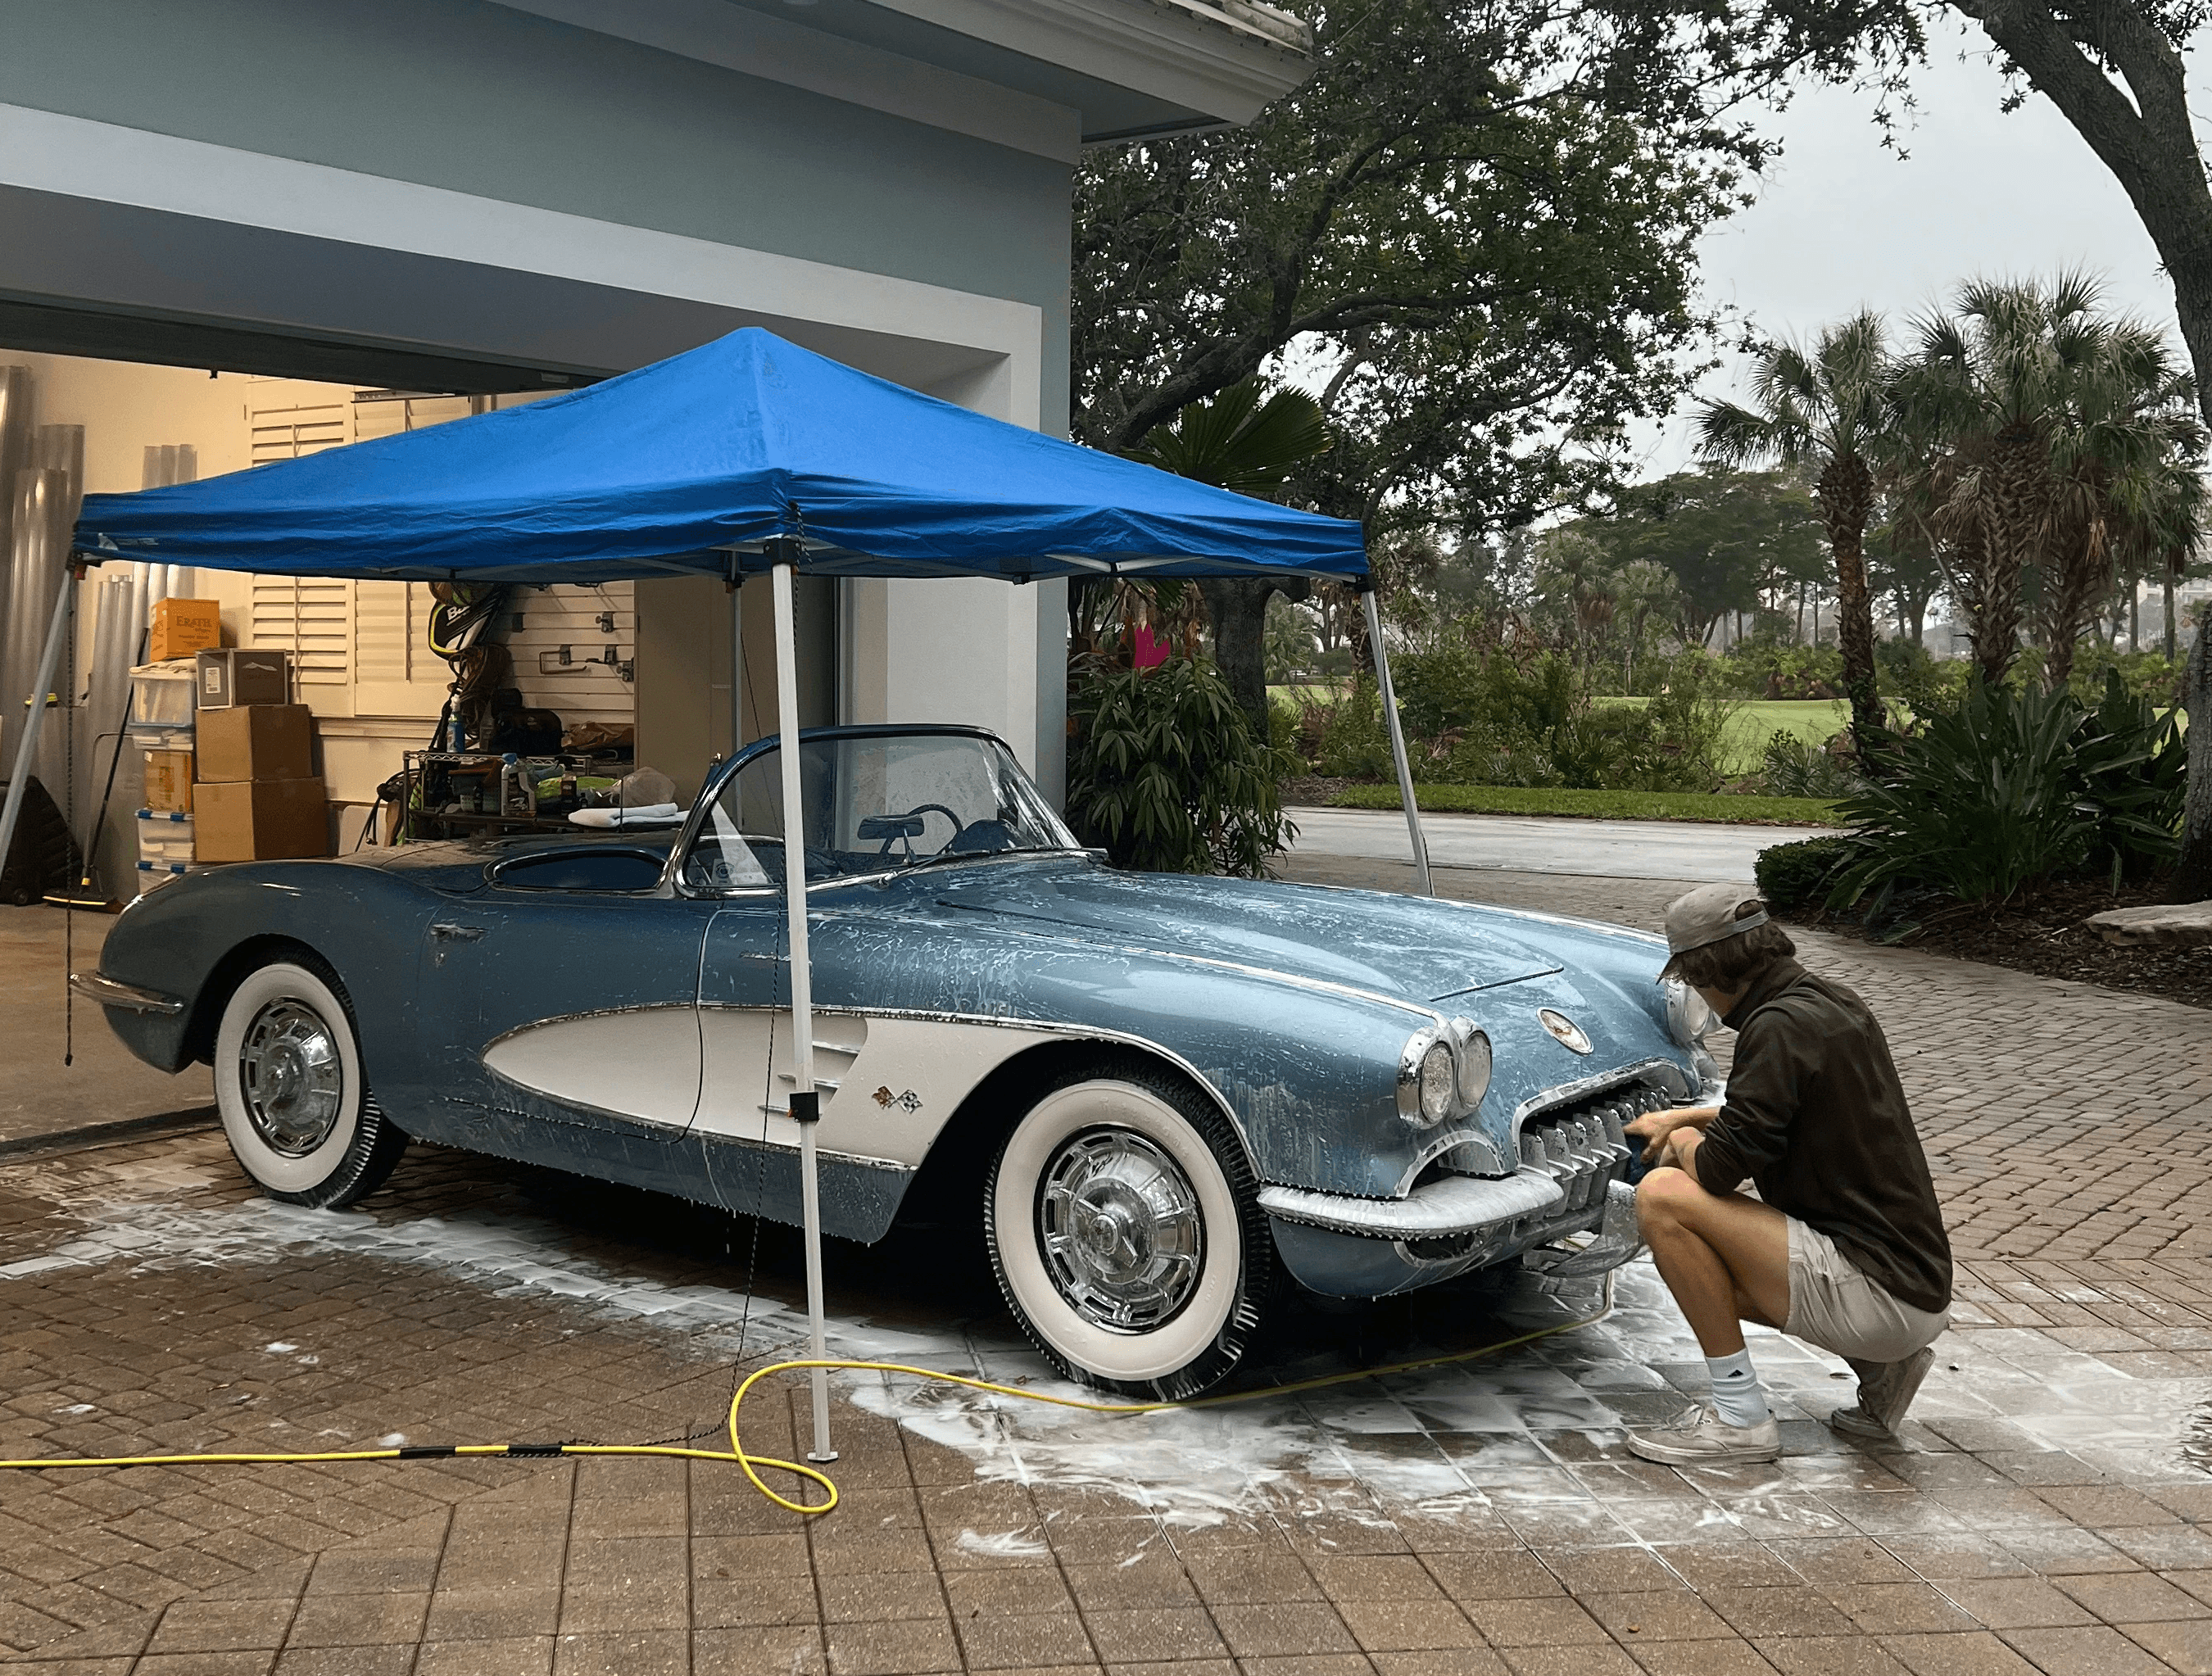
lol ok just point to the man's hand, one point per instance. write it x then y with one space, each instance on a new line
1654 1129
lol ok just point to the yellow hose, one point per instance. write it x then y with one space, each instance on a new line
748 1462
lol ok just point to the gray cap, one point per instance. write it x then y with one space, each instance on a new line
1707 914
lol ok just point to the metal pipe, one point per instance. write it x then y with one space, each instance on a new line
24 751
1397 741
806 1098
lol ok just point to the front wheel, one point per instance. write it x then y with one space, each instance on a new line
288 1084
1126 1233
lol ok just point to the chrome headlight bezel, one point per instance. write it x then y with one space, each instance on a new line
1464 1079
1690 1020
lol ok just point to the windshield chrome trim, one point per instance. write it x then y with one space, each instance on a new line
673 875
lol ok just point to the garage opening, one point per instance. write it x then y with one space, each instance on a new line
567 660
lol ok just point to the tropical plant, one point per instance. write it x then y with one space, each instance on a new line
2014 786
1794 767
1825 407
1250 439
1166 773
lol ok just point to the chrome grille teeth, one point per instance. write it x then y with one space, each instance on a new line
1583 1148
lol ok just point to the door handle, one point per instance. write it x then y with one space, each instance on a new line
457 934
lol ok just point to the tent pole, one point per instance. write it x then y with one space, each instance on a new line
805 1099
27 746
1397 738
737 659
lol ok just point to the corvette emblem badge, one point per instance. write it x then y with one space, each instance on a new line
911 1102
1563 1030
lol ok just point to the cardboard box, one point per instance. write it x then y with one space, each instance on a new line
257 742
235 674
182 627
169 781
260 820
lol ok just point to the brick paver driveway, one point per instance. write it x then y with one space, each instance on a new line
1477 1516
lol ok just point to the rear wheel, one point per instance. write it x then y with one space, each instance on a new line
288 1084
1126 1233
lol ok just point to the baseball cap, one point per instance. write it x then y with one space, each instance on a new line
1707 914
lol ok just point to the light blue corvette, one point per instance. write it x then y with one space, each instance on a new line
1159 1095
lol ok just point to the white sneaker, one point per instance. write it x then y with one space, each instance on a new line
1701 1438
1885 1391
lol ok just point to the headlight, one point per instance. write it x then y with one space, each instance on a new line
1474 1063
1442 1073
1689 1020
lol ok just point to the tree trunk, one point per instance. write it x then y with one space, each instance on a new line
2193 879
2169 617
1238 606
1845 493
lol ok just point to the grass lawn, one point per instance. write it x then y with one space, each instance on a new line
1609 805
1757 720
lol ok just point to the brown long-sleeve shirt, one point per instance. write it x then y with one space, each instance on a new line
1816 1116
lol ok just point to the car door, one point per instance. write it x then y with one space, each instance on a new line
560 993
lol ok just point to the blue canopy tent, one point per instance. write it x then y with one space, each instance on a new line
744 456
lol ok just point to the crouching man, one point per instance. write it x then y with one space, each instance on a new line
1845 1246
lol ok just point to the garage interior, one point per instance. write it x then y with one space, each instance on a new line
599 658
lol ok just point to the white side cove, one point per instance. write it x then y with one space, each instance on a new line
888 1084
1355 1448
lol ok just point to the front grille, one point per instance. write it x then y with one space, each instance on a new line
1582 1147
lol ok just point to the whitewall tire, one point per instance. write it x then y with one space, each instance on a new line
288 1084
1125 1232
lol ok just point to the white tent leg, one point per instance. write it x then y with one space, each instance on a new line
737 665
27 747
1397 742
804 1098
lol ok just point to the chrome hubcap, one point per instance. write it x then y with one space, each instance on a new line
291 1077
1121 1230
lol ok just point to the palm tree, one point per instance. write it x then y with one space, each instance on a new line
1824 407
2125 469
1252 441
1984 394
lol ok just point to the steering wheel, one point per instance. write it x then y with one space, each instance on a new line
923 809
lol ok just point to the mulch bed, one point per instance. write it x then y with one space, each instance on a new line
1313 790
2041 932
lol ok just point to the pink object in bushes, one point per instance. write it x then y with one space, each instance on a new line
1149 650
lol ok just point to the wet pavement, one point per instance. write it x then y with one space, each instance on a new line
2045 1512
39 1094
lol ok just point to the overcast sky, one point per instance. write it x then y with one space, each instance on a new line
1841 222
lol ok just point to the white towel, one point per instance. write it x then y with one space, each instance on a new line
650 814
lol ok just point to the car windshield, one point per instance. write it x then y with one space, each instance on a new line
874 804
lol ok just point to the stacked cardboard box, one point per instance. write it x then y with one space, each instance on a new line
257 797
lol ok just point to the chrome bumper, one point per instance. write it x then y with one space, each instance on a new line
1454 1204
107 992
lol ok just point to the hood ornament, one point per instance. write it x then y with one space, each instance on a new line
1564 1029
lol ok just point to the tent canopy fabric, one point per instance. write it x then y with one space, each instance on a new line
709 460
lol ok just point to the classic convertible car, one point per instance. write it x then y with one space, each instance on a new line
1160 1093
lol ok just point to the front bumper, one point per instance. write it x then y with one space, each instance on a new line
1572 1178
107 991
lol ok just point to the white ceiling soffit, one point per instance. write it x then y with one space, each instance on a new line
713 32
1229 58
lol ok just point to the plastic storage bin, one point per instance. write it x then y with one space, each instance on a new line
165 847
161 695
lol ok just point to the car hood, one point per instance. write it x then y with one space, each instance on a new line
1408 947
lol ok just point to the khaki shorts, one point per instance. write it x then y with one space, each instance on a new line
1833 1304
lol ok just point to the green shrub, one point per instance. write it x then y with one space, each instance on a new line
2014 786
1355 744
1165 774
1762 668
1791 875
1797 768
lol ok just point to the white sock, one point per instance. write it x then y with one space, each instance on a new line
1737 1395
